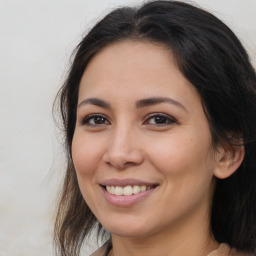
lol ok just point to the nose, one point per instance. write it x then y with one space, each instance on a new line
123 149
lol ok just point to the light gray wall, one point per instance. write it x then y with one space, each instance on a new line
36 40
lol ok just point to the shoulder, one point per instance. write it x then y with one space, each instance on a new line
225 250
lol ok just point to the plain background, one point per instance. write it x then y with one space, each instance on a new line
36 41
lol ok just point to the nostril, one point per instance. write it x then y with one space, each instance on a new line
123 156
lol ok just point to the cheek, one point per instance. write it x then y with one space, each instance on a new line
183 156
86 155
187 172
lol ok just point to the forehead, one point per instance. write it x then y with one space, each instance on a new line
125 50
128 54
135 68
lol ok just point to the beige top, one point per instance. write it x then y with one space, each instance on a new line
222 250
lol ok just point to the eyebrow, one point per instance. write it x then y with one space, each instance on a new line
139 104
96 102
157 100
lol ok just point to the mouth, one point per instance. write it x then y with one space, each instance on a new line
127 190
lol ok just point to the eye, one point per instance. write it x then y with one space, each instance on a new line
160 119
95 120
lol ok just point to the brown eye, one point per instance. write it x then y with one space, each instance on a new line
160 119
95 120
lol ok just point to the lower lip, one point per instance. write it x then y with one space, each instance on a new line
126 201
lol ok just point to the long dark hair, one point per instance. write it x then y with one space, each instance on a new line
211 57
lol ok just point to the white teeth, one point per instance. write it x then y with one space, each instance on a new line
127 190
143 188
119 191
136 189
112 190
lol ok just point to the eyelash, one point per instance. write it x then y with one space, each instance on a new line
87 119
104 120
169 120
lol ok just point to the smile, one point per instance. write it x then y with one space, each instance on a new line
126 194
127 190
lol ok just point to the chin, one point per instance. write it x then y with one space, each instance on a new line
128 229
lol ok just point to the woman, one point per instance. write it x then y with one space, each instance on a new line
159 112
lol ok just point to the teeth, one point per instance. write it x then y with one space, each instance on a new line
143 188
119 191
112 190
127 190
137 189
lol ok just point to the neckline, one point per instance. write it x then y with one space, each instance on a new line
223 249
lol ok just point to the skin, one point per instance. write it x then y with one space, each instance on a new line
127 142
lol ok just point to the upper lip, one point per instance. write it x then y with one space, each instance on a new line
126 182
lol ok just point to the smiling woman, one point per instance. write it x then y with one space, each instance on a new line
160 143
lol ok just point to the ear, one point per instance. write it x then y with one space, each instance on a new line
229 159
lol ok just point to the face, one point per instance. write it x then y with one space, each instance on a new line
142 145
